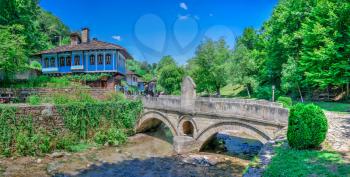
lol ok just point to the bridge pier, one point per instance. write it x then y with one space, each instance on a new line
184 144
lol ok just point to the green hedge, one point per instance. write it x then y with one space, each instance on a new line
307 126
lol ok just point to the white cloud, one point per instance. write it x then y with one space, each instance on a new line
118 38
183 5
183 17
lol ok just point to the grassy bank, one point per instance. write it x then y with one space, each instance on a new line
291 163
333 106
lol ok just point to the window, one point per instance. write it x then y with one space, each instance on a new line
61 61
76 60
46 62
92 59
108 59
68 61
100 59
52 62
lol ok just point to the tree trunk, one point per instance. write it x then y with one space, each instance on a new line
218 94
248 91
301 95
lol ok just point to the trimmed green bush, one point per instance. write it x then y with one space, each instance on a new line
307 126
286 101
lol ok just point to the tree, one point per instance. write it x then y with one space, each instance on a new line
324 57
12 54
170 78
208 67
291 77
165 61
244 67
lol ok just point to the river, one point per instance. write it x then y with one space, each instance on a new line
147 155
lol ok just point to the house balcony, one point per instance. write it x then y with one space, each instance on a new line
50 70
77 67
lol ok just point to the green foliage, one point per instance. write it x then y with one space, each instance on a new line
66 141
243 66
302 48
112 136
265 92
209 66
34 100
116 136
25 29
170 78
115 96
35 65
333 106
145 70
307 126
291 162
80 118
286 101
12 55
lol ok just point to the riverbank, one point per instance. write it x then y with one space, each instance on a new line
143 155
278 159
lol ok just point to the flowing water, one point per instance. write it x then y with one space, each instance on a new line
146 155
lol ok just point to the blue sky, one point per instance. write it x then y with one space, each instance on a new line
150 29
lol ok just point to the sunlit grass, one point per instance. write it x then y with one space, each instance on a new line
290 163
333 106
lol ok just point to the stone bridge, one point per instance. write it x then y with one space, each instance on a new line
193 120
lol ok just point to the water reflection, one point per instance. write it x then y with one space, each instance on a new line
234 145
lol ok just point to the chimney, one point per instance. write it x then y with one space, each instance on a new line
85 35
74 39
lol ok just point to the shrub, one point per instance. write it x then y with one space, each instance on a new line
286 101
66 141
307 126
116 136
35 65
34 100
43 142
115 96
25 144
100 137
113 136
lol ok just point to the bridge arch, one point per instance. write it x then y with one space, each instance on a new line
151 119
205 135
186 125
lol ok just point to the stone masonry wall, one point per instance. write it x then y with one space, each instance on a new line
43 116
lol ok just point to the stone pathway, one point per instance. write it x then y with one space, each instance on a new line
265 155
339 132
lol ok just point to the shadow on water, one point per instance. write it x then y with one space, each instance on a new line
156 167
227 144
161 132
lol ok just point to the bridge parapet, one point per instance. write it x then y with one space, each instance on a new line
256 110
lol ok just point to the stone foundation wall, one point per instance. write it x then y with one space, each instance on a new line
43 116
